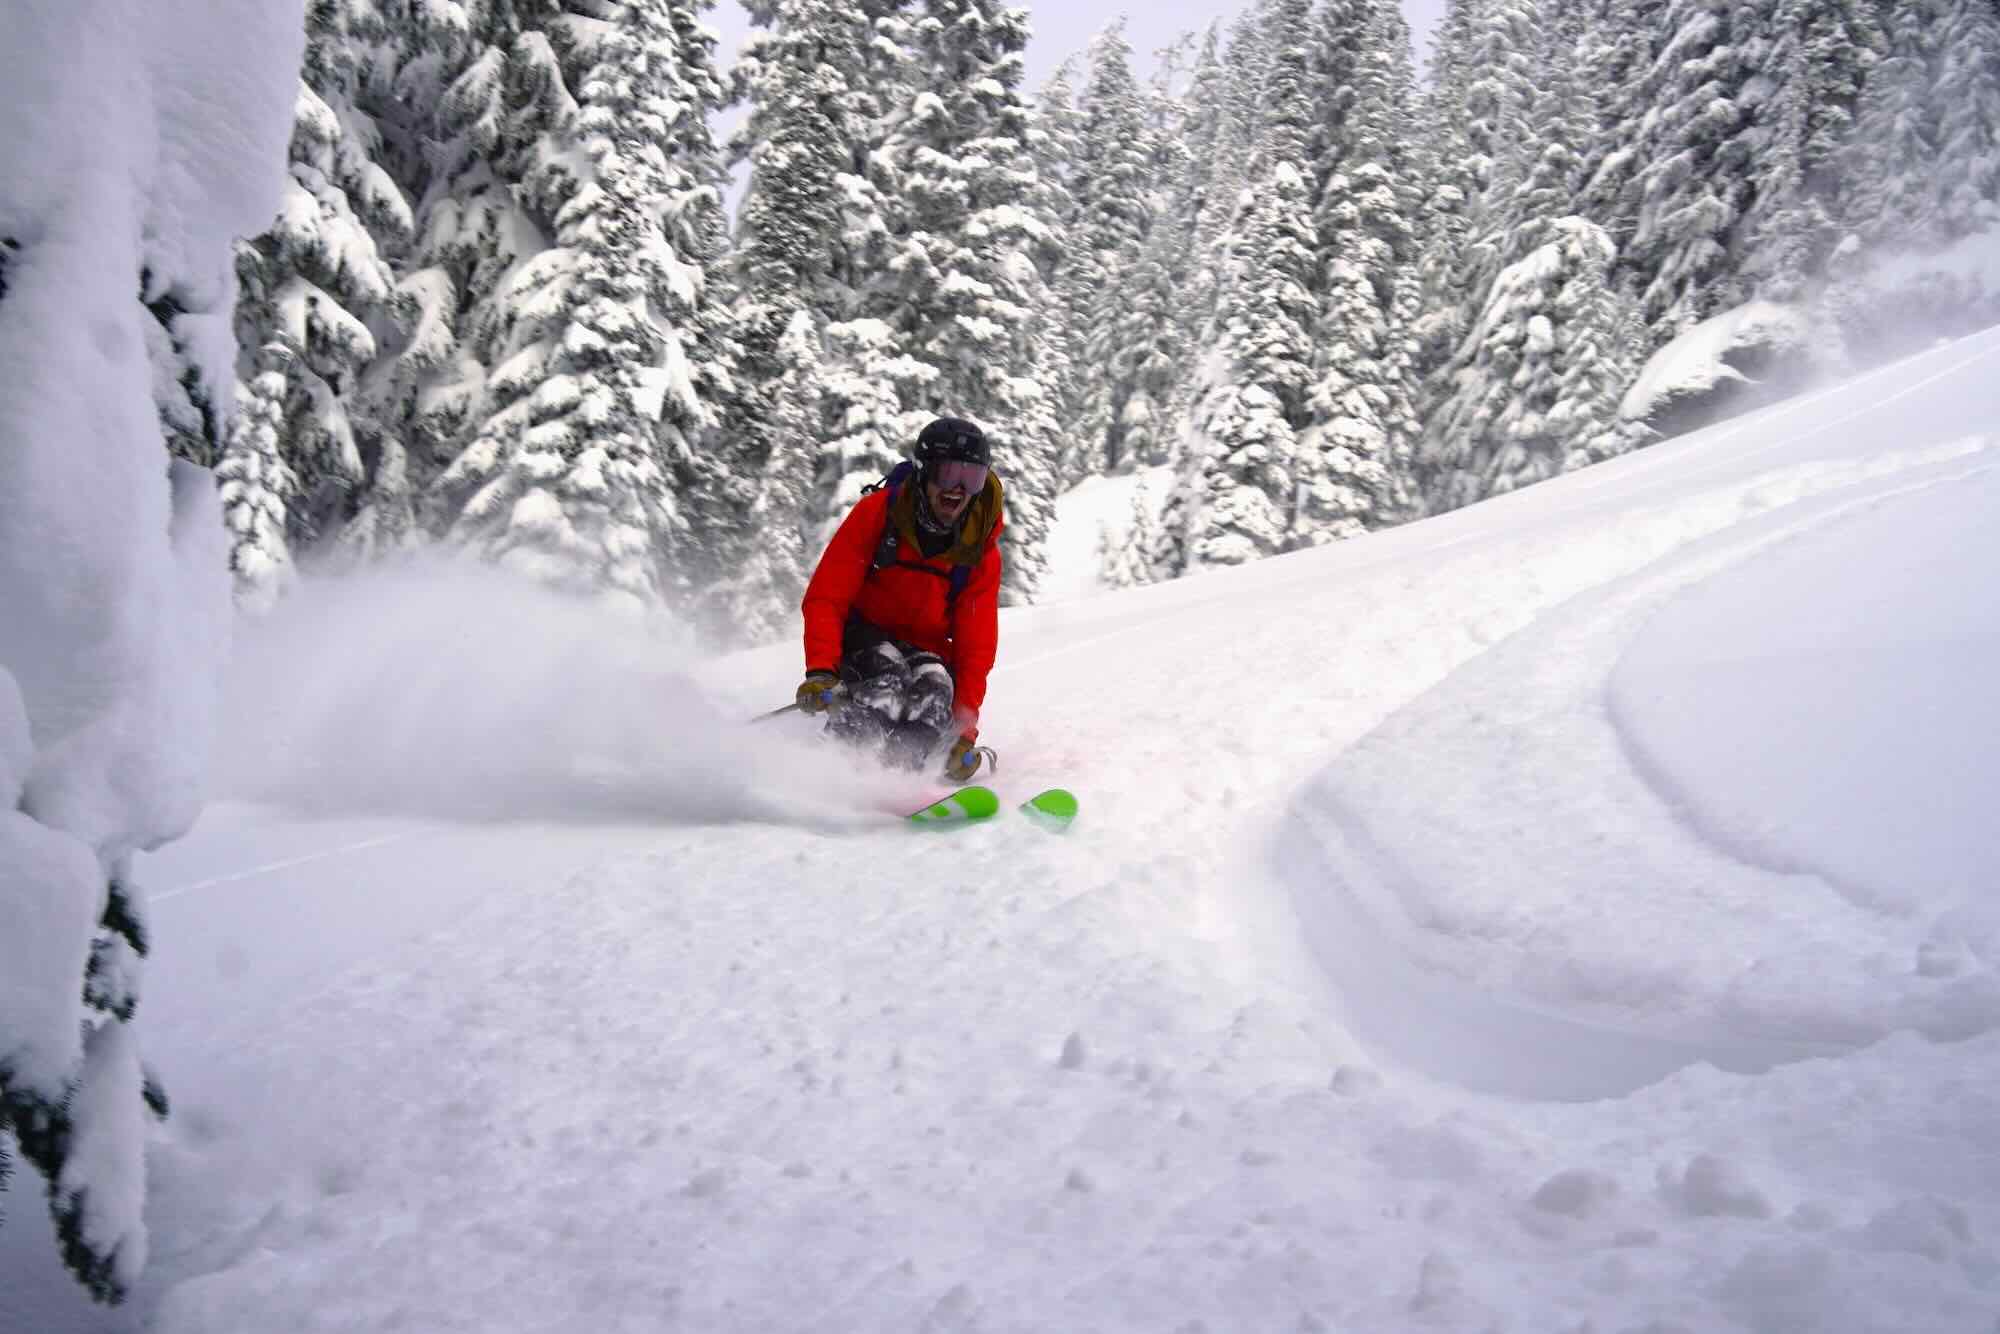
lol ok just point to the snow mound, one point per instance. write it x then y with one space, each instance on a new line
1697 362
1717 802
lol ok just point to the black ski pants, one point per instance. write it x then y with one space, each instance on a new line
899 697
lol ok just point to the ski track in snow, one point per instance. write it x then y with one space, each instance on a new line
1560 741
1256 1046
288 863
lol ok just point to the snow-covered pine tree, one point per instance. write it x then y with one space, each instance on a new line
799 140
1817 61
1157 326
473 229
1927 154
602 342
1895 149
1600 337
1190 228
1056 145
1482 150
1353 455
257 484
1923 169
868 377
1223 125
1456 177
1507 76
1539 378
1698 161
188 405
1415 174
1124 559
1602 350
1535 385
1114 215
777 564
1967 97
1195 205
1619 42
1168 553
1255 387
316 290
1154 329
876 388
712 466
961 286
1049 366
498 494
430 45
1242 117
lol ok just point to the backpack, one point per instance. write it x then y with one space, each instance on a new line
885 549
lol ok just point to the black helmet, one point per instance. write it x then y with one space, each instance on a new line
953 439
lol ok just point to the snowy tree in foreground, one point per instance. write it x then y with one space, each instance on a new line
114 594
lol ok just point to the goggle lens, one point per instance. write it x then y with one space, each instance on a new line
956 475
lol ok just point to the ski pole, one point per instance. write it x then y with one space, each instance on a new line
838 695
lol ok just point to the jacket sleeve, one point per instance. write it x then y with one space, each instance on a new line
975 639
838 578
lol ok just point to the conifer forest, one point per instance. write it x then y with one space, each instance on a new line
512 304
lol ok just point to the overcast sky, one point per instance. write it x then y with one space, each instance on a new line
1063 27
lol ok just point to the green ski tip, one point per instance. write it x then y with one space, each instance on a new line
965 806
1053 809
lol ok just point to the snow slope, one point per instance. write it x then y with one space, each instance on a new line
1571 913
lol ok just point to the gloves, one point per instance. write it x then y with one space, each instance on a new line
963 761
819 692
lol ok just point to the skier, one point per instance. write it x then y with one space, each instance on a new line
902 613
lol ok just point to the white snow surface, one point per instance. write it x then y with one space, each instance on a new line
1573 912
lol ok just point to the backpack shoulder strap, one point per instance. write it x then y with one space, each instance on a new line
885 546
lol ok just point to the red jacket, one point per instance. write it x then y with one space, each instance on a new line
913 605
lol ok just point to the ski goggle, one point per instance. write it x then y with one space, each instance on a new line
957 475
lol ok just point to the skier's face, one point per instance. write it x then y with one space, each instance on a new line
949 491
